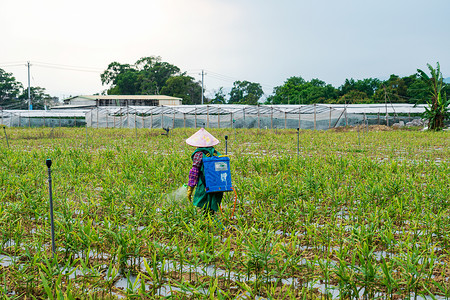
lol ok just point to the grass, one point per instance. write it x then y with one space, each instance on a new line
355 217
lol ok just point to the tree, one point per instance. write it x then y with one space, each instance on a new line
219 97
111 73
417 89
126 83
39 98
352 97
437 111
298 91
367 86
245 92
289 92
183 87
145 77
394 89
9 90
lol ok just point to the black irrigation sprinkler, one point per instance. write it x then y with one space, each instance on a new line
226 145
232 125
6 136
359 139
48 162
87 144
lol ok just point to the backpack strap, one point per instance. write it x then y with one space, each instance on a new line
207 154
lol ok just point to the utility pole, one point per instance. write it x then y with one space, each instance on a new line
203 74
385 104
30 107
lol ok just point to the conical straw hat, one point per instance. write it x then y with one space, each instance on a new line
202 138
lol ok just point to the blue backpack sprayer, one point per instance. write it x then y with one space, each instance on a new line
218 175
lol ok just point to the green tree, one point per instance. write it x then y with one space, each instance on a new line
219 97
126 83
317 91
153 74
367 86
394 89
184 87
109 76
417 89
437 111
289 92
39 98
296 90
353 97
145 77
245 92
9 91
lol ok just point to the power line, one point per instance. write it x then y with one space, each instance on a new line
54 66
233 79
69 66
14 65
66 68
12 62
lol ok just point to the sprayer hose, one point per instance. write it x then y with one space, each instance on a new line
234 206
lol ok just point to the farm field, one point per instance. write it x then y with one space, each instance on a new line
357 215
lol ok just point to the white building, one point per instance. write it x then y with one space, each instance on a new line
91 101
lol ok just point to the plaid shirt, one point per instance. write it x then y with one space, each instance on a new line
196 164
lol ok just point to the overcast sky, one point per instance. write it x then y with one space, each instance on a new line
70 43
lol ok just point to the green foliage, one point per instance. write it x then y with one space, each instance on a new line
14 96
146 77
353 96
367 86
39 98
438 103
298 91
396 89
245 92
219 97
9 90
368 224
184 87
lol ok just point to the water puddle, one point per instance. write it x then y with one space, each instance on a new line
6 260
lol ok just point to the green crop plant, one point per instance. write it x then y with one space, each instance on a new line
338 213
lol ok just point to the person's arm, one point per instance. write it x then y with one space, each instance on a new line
194 173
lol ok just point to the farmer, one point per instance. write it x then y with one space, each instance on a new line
204 142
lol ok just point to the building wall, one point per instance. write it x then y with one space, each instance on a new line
81 101
123 102
169 102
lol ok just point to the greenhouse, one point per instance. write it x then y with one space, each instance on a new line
316 116
43 118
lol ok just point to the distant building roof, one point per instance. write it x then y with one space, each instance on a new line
125 97
91 101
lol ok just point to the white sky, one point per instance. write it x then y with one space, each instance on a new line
259 41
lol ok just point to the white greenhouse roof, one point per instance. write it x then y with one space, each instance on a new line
47 113
396 108
267 109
